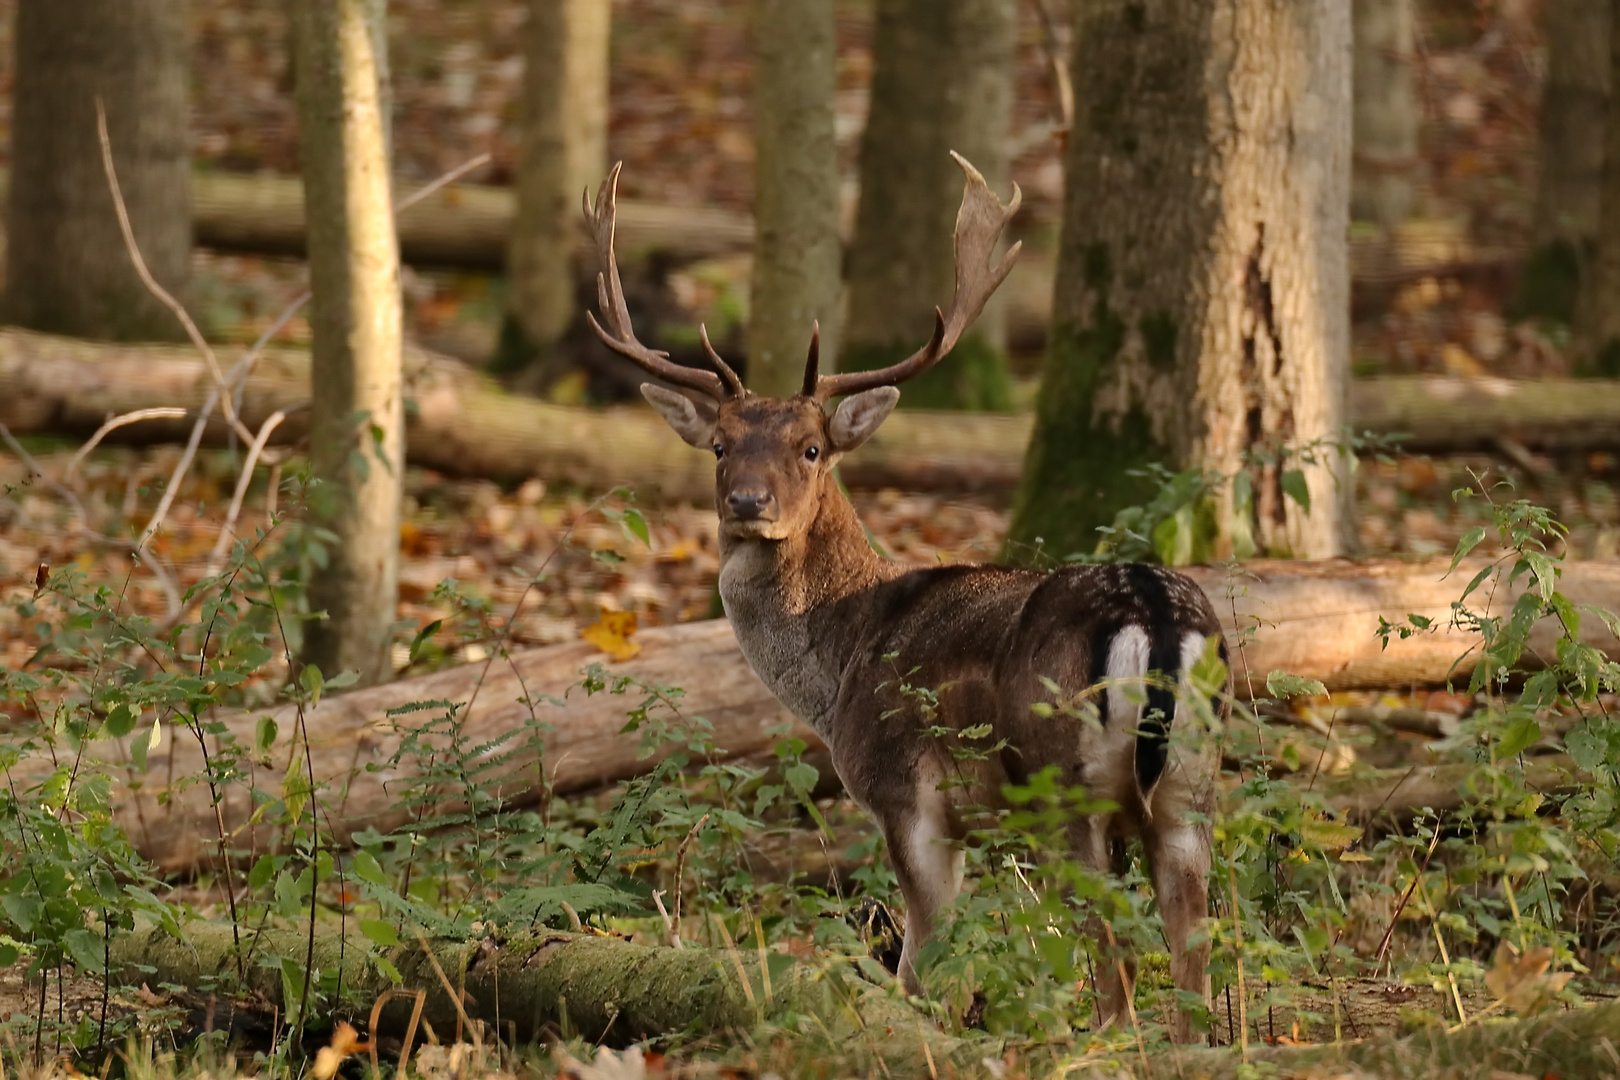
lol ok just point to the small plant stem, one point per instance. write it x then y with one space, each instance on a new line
1445 957
1389 931
1243 998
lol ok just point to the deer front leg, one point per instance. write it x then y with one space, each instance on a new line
1179 860
928 864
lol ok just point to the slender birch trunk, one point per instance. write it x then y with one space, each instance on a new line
357 423
797 255
562 151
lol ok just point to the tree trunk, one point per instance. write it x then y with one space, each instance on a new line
797 253
1385 135
68 271
562 151
1569 194
941 81
357 420
1600 299
462 426
1201 312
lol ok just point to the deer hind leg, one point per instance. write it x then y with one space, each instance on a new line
1114 978
928 864
1179 858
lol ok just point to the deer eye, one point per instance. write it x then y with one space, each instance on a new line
812 453
719 451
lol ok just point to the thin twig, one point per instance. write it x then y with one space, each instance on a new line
113 423
152 285
1389 931
227 531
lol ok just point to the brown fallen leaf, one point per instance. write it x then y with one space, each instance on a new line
345 1041
611 633
1520 980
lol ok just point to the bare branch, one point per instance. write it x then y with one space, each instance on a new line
227 531
165 412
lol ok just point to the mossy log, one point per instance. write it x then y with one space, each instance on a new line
462 424
599 988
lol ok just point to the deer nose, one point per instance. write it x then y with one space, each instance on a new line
749 505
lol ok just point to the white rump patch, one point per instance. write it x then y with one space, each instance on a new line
1127 664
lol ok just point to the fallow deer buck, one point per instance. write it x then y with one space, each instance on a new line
827 624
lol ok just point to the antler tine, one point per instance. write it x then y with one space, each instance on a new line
812 362
979 225
610 299
734 385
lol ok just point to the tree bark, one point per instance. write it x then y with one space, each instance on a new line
1316 620
1600 299
1569 194
562 151
461 425
797 270
941 81
69 273
357 419
1201 314
1385 135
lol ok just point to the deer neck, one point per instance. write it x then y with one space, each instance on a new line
795 604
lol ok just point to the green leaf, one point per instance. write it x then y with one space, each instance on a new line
120 720
380 932
264 734
422 636
1520 734
8 954
310 679
1589 748
86 949
636 525
141 745
1294 486
1470 540
24 909
1280 684
801 777
367 869
262 872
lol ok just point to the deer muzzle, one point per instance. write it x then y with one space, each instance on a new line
751 505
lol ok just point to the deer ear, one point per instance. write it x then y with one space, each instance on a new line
692 421
859 415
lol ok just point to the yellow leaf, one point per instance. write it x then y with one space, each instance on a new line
611 633
1327 834
1458 361
345 1041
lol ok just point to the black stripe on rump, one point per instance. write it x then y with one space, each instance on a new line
1164 664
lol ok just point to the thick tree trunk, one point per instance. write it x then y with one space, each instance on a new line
1385 113
1600 291
1317 620
1201 314
797 254
461 425
562 152
941 81
357 418
68 271
1569 196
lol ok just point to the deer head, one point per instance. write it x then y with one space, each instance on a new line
775 455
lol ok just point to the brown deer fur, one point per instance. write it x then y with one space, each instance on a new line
837 633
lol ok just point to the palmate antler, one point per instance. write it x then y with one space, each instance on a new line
979 224
610 299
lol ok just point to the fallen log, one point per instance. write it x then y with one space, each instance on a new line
462 424
601 988
1316 620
